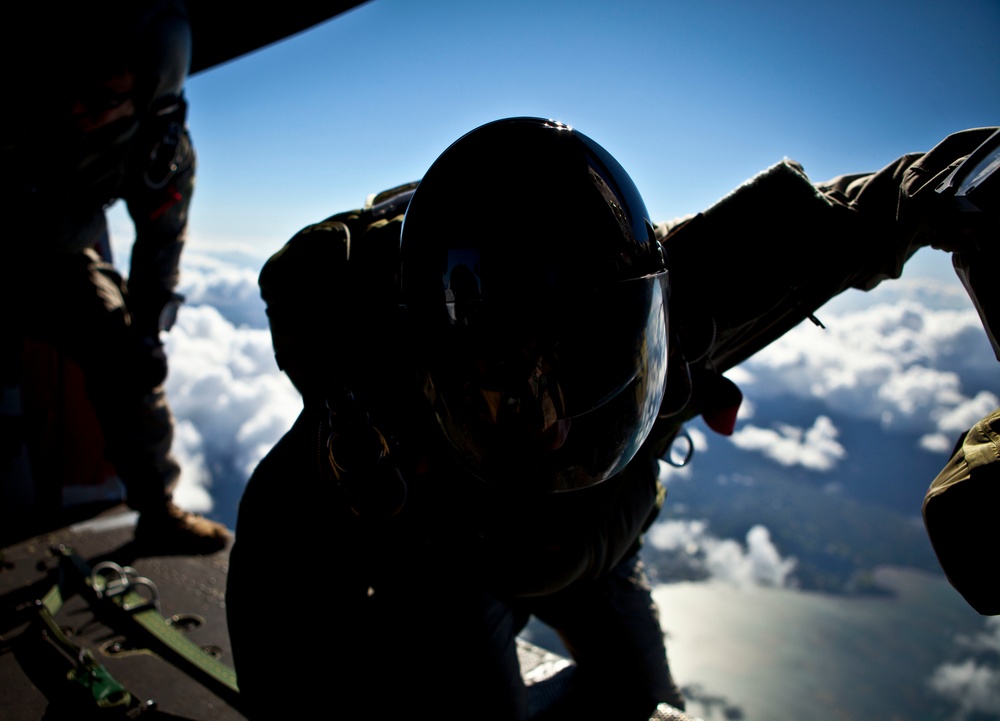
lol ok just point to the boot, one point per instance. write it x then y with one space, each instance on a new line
173 530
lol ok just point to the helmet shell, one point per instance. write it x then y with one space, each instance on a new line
526 184
535 292
99 79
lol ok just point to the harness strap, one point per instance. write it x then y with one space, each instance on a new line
120 595
87 672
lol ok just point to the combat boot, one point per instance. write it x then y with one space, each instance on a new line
174 530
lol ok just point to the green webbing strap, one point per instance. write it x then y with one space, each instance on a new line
52 601
87 671
119 594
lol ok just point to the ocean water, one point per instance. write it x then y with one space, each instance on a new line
769 654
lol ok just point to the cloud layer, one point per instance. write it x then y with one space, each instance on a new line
972 685
815 447
755 562
231 401
909 366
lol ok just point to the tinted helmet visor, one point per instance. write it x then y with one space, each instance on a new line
549 391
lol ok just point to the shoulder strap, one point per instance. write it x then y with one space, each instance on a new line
390 203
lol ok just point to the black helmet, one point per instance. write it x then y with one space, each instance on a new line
150 38
534 293
91 74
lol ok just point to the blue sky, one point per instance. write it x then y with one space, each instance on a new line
691 97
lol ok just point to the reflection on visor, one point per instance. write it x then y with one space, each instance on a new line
535 407
558 393
577 351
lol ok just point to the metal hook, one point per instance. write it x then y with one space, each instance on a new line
153 600
679 460
107 586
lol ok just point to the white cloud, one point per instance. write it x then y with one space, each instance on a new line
954 421
988 640
767 567
904 365
937 442
191 491
973 688
231 401
972 685
758 562
230 289
678 535
964 415
815 448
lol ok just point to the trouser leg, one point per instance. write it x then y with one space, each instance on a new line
474 664
426 644
612 629
140 449
83 314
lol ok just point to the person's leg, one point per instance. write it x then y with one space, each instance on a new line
87 319
467 660
611 627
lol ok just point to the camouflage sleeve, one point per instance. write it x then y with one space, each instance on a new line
905 195
902 198
960 515
158 195
734 292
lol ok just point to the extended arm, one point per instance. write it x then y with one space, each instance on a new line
765 257
735 291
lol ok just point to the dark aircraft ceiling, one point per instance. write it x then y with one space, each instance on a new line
223 30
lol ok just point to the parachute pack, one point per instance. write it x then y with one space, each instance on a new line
317 273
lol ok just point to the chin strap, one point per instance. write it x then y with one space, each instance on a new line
358 458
